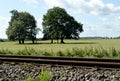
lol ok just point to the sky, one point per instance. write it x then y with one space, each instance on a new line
99 17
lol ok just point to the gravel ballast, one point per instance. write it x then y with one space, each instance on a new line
21 71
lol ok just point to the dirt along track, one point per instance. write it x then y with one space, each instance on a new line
87 62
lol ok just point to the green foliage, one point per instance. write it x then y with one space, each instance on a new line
58 24
21 26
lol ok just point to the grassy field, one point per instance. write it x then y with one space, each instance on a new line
85 44
69 44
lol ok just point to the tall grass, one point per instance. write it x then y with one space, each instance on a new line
5 51
75 52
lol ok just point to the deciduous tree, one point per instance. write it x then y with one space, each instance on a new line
21 26
58 24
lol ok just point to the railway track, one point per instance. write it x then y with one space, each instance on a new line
89 62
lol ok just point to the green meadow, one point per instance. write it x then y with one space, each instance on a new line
69 45
82 48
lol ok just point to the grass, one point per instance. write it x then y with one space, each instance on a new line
69 45
43 76
29 79
80 48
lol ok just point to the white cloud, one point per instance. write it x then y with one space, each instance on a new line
94 13
39 25
2 19
118 17
3 26
39 22
94 7
52 3
106 28
31 1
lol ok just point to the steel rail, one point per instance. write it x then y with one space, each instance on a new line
63 58
90 62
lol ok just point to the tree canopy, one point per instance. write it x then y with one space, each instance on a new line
21 26
58 24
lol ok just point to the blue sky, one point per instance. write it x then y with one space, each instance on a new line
100 17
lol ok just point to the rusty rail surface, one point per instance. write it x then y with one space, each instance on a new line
74 61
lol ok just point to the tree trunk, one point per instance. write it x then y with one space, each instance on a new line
51 40
33 40
19 41
22 41
62 40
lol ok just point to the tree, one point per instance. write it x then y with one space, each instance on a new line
21 26
58 24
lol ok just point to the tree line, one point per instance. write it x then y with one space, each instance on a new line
57 25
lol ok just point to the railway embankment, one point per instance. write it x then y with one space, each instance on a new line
10 71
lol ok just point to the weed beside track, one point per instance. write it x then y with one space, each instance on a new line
75 52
